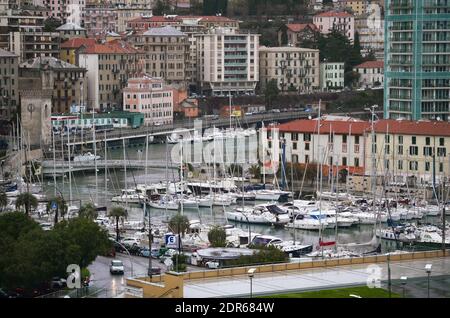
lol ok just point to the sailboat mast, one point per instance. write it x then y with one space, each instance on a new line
106 170
181 177
95 164
70 171
54 162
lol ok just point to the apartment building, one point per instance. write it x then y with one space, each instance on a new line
71 11
110 66
371 35
9 84
70 30
409 150
371 74
126 14
337 143
100 19
332 75
150 97
227 62
294 69
69 86
358 7
166 53
400 150
417 59
28 45
341 21
146 22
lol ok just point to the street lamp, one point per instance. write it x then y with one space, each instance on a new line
251 274
404 279
428 270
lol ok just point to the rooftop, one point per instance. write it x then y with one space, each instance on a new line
48 62
164 31
70 27
334 14
298 27
75 43
112 47
371 64
391 126
279 49
4 53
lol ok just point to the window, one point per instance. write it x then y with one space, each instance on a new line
413 165
306 158
413 140
344 161
307 146
386 164
294 136
356 140
344 139
427 141
427 151
442 152
400 140
294 158
441 167
356 162
306 137
400 150
387 149
441 142
427 166
294 146
400 165
413 151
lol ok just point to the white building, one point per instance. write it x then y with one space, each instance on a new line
332 75
151 97
227 61
342 21
371 74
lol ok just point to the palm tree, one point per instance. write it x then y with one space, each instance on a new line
28 201
255 171
118 212
179 224
3 200
61 207
88 211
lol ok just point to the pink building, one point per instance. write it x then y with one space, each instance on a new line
342 21
151 97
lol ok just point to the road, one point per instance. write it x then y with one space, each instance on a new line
106 285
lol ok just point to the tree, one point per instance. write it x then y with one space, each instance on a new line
235 169
118 213
161 7
179 262
30 256
51 24
88 211
255 171
28 201
3 200
61 207
86 237
178 224
217 237
271 92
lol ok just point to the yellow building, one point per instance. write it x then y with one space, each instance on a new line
359 7
69 48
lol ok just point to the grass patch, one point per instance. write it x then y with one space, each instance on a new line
364 292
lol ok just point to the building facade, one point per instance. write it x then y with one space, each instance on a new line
150 97
227 62
294 69
28 45
298 34
370 74
417 59
69 85
332 75
110 65
341 21
166 53
9 84
99 20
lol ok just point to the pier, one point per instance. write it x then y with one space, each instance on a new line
60 167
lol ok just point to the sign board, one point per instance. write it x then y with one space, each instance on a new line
134 292
54 205
171 241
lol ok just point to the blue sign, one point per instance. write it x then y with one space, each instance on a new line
54 205
171 241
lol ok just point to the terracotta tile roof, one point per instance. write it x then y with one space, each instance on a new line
338 127
179 18
75 43
298 27
391 126
332 14
407 127
112 47
371 64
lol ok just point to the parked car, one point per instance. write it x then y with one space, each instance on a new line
130 241
212 265
58 283
116 267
